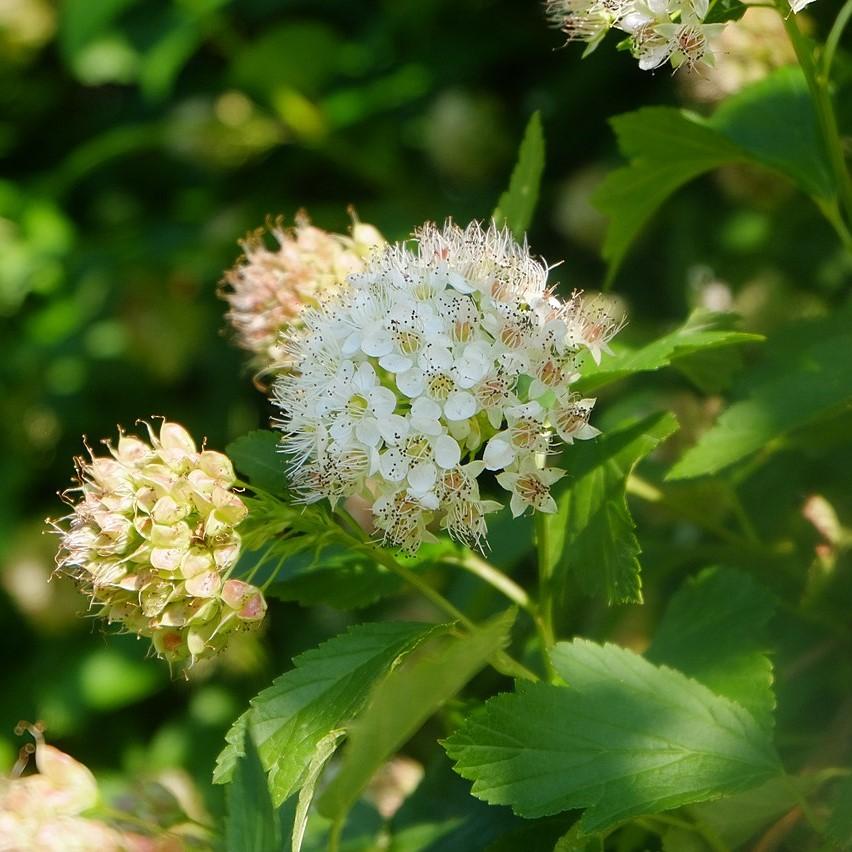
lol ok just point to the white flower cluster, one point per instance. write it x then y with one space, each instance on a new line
659 31
438 362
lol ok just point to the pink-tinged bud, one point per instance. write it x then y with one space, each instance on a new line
151 539
246 599
268 287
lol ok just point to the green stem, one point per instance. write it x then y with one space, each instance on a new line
494 577
501 661
833 39
545 594
477 566
818 82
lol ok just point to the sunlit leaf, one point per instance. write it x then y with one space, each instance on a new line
591 536
328 686
704 331
404 700
517 204
622 738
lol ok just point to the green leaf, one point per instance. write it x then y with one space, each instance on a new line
340 579
702 332
517 204
251 824
774 122
736 819
806 374
591 536
770 123
325 749
715 630
257 457
328 686
621 739
404 700
667 148
839 826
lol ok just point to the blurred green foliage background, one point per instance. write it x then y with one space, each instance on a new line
140 138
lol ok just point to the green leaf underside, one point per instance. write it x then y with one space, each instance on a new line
343 580
256 456
404 700
592 536
328 686
715 630
517 204
771 123
703 331
803 378
251 824
623 738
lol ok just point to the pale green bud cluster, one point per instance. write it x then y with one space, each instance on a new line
152 541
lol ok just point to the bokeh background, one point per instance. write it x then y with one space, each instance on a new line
139 139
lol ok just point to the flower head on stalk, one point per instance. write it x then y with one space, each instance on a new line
54 808
152 540
658 31
270 284
442 359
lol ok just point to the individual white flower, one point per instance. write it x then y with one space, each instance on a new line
453 347
570 418
798 5
530 487
660 31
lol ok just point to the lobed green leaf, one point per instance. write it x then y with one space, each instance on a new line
328 686
405 699
623 738
591 536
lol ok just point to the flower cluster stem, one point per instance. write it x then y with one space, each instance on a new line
501 661
817 77
545 600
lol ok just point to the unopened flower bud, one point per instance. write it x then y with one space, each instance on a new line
152 541
268 287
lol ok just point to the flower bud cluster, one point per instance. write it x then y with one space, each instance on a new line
152 541
659 31
439 361
49 810
268 287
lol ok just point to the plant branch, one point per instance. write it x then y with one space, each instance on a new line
501 661
818 82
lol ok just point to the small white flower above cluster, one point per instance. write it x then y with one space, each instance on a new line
440 361
659 31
